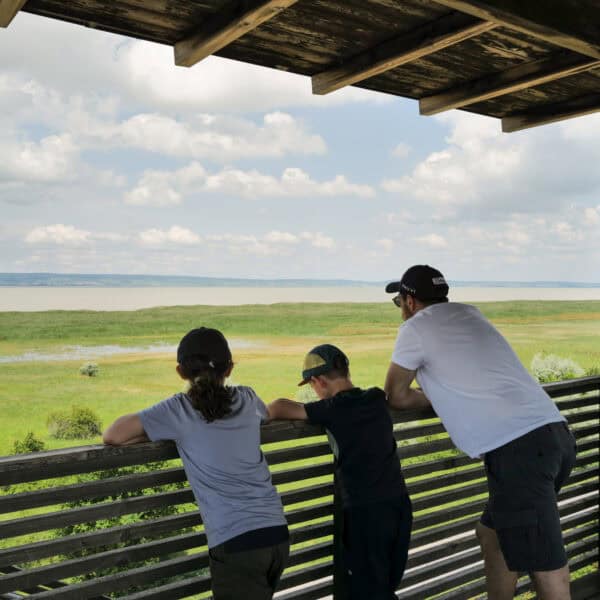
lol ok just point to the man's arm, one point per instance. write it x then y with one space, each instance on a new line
126 430
398 391
286 409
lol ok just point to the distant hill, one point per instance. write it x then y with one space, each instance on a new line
118 280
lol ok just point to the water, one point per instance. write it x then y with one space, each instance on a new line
133 298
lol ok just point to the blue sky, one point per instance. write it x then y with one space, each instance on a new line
116 161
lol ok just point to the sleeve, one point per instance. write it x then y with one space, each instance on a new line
408 350
320 412
162 421
259 406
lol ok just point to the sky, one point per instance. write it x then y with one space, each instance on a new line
114 160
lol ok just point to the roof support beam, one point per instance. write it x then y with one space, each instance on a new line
552 113
425 40
231 23
8 10
572 24
563 64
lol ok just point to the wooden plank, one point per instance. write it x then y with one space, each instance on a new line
552 113
571 24
572 386
427 39
226 27
8 10
512 80
84 542
121 556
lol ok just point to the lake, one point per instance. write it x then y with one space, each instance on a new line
132 298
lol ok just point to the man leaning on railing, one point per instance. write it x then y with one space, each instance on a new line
492 408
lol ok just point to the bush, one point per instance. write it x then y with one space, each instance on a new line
593 371
306 394
550 367
89 369
29 444
80 423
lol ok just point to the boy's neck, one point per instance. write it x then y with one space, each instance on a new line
338 385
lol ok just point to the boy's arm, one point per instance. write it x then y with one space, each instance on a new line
126 430
398 391
287 409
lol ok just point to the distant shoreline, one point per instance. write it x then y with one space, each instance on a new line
28 299
83 280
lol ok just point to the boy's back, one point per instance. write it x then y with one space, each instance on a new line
363 442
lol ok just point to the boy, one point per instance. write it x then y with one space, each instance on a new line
377 509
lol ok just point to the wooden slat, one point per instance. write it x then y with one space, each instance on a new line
552 113
305 575
572 386
121 556
121 534
64 518
226 27
8 10
571 24
507 82
427 39
90 489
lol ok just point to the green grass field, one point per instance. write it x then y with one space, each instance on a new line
275 339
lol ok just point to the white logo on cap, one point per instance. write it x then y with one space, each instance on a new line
438 281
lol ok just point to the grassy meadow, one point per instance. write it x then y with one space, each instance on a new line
271 341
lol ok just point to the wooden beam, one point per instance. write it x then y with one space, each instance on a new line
425 40
523 76
237 19
572 24
551 113
8 10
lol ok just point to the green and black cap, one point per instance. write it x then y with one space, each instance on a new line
322 359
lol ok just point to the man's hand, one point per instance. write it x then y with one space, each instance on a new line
286 409
398 391
126 430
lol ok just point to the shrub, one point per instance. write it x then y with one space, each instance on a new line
29 444
550 367
80 423
89 369
593 371
306 394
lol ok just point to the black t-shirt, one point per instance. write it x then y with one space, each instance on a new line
361 426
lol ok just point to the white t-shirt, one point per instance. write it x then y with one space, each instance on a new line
472 377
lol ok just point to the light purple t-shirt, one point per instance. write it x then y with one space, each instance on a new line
223 462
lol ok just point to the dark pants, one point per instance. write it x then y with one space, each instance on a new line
376 538
524 478
249 574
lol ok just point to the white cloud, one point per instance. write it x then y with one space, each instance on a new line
58 234
386 244
591 216
174 235
433 240
402 150
164 188
319 240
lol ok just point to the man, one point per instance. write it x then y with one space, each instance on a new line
377 511
492 408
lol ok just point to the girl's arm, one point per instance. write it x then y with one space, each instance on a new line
286 409
126 430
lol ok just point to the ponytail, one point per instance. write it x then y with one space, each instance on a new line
207 392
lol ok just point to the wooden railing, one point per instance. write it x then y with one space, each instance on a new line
81 523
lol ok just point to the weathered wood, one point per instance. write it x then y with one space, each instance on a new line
305 575
8 10
226 27
552 113
572 24
119 557
427 39
512 80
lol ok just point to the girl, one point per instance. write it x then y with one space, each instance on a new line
217 432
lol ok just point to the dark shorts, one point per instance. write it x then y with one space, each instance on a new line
375 540
524 477
249 574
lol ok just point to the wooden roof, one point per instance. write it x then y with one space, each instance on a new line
528 62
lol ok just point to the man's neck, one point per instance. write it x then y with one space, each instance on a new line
339 385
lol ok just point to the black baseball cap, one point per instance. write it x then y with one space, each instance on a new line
204 342
322 359
421 281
